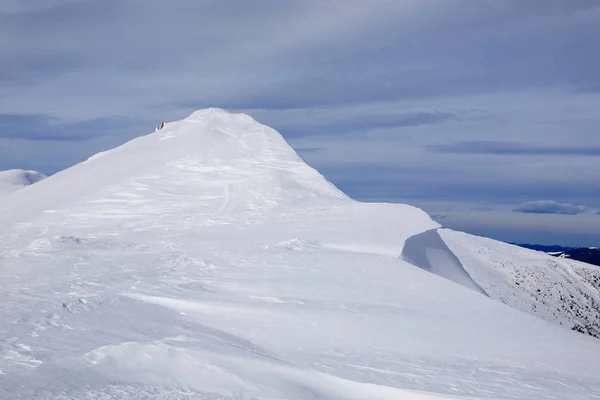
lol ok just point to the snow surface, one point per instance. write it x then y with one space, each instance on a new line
563 291
428 251
208 261
15 179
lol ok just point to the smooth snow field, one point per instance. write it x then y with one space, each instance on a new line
208 261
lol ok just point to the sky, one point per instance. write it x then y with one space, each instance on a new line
485 113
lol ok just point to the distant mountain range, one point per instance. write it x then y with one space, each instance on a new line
590 255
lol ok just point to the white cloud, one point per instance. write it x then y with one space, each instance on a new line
549 207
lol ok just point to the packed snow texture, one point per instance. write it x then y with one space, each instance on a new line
15 179
208 261
563 291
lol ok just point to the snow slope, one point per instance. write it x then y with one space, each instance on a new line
15 179
558 290
208 261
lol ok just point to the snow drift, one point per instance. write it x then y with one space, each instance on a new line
558 290
208 261
428 251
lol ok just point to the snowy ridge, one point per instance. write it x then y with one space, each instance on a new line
15 179
208 261
558 290
220 154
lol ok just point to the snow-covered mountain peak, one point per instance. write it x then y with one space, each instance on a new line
213 112
15 179
20 177
228 163
213 117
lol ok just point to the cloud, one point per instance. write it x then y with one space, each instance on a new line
513 148
482 208
40 127
576 231
438 217
14 125
17 7
348 123
324 53
29 69
482 102
549 207
43 143
592 88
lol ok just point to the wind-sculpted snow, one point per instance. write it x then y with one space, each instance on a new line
15 179
428 251
207 261
558 290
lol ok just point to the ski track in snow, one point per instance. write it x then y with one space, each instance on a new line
207 261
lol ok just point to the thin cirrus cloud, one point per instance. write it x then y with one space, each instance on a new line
549 207
26 69
514 148
352 124
41 127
